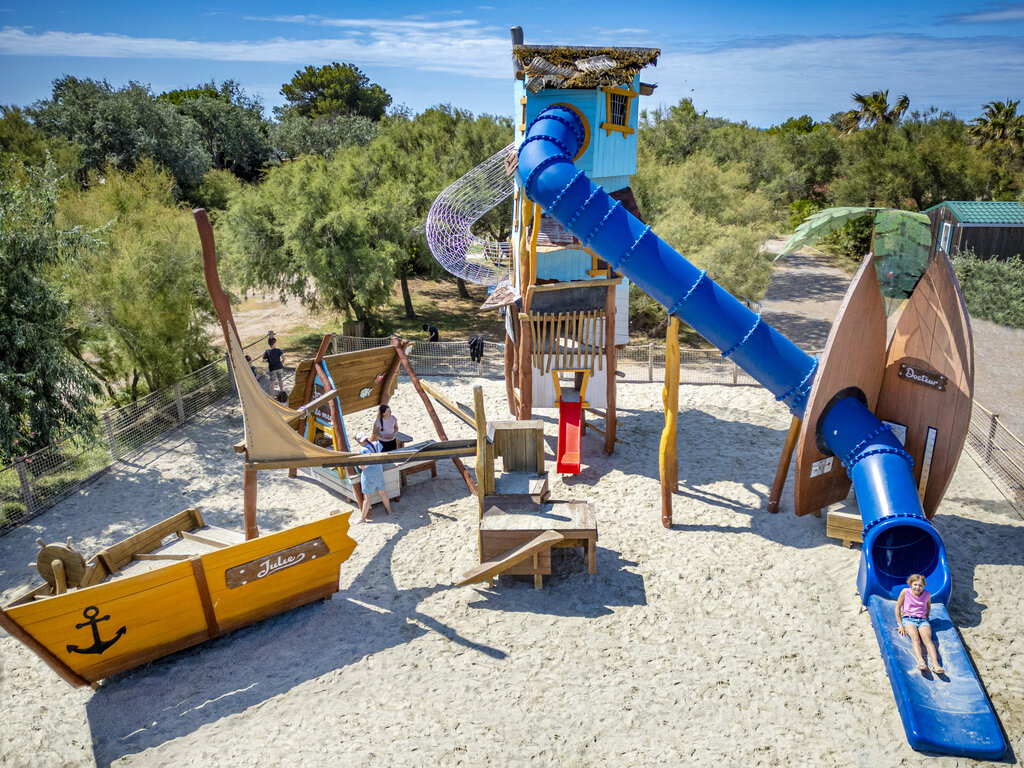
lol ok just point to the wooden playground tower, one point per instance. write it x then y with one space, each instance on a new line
569 308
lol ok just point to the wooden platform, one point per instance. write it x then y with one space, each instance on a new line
509 525
845 526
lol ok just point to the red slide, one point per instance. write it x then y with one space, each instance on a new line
570 418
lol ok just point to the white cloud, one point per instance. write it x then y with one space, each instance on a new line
413 25
474 53
993 15
768 83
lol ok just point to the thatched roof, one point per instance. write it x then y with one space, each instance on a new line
566 66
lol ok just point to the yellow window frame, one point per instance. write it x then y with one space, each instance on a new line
608 126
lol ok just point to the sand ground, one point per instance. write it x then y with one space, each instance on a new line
735 637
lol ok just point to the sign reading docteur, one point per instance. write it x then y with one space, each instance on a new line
923 376
267 565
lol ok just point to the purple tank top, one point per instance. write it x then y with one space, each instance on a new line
916 606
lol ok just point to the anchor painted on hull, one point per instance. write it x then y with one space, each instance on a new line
98 645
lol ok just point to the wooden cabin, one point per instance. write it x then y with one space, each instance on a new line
990 229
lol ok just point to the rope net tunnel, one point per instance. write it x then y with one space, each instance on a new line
457 208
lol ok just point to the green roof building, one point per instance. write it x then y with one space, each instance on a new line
990 229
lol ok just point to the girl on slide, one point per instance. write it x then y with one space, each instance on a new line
912 609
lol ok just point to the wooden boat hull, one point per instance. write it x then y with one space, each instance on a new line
96 631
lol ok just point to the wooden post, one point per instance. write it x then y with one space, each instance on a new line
525 369
668 461
650 360
252 530
482 483
510 351
784 461
178 402
26 488
993 424
400 349
108 427
609 345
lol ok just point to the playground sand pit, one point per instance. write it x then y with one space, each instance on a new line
736 635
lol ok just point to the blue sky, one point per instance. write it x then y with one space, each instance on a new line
750 60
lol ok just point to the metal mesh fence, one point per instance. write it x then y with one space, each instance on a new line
30 484
999 453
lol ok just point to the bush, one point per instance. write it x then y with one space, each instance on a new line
993 288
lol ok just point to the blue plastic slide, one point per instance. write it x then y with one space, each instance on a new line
948 713
898 538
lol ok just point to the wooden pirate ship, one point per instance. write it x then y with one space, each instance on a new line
175 584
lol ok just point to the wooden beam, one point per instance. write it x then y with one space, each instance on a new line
609 345
784 461
400 349
252 530
464 412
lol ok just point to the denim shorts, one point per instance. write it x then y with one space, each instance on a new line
916 621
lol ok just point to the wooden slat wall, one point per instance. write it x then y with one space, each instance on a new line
585 329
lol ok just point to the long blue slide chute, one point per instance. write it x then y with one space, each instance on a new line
898 538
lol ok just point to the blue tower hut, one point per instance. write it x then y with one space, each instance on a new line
561 345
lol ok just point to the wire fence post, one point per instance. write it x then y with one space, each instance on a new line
108 427
26 488
735 373
178 402
650 361
334 343
990 443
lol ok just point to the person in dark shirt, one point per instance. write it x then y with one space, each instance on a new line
432 334
275 361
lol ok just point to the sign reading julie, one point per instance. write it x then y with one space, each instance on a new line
923 376
255 570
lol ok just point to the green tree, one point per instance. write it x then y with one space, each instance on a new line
413 160
873 110
299 233
295 135
45 393
141 306
334 90
999 132
18 136
231 125
999 122
118 128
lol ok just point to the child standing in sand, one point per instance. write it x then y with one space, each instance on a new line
371 478
912 609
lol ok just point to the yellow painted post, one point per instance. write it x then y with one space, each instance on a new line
668 462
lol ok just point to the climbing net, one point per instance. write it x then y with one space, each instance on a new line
462 204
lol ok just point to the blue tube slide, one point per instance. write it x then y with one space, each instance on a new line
898 538
883 481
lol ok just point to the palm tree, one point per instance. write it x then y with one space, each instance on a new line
872 110
999 122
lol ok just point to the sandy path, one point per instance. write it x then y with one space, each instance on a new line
804 296
735 635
